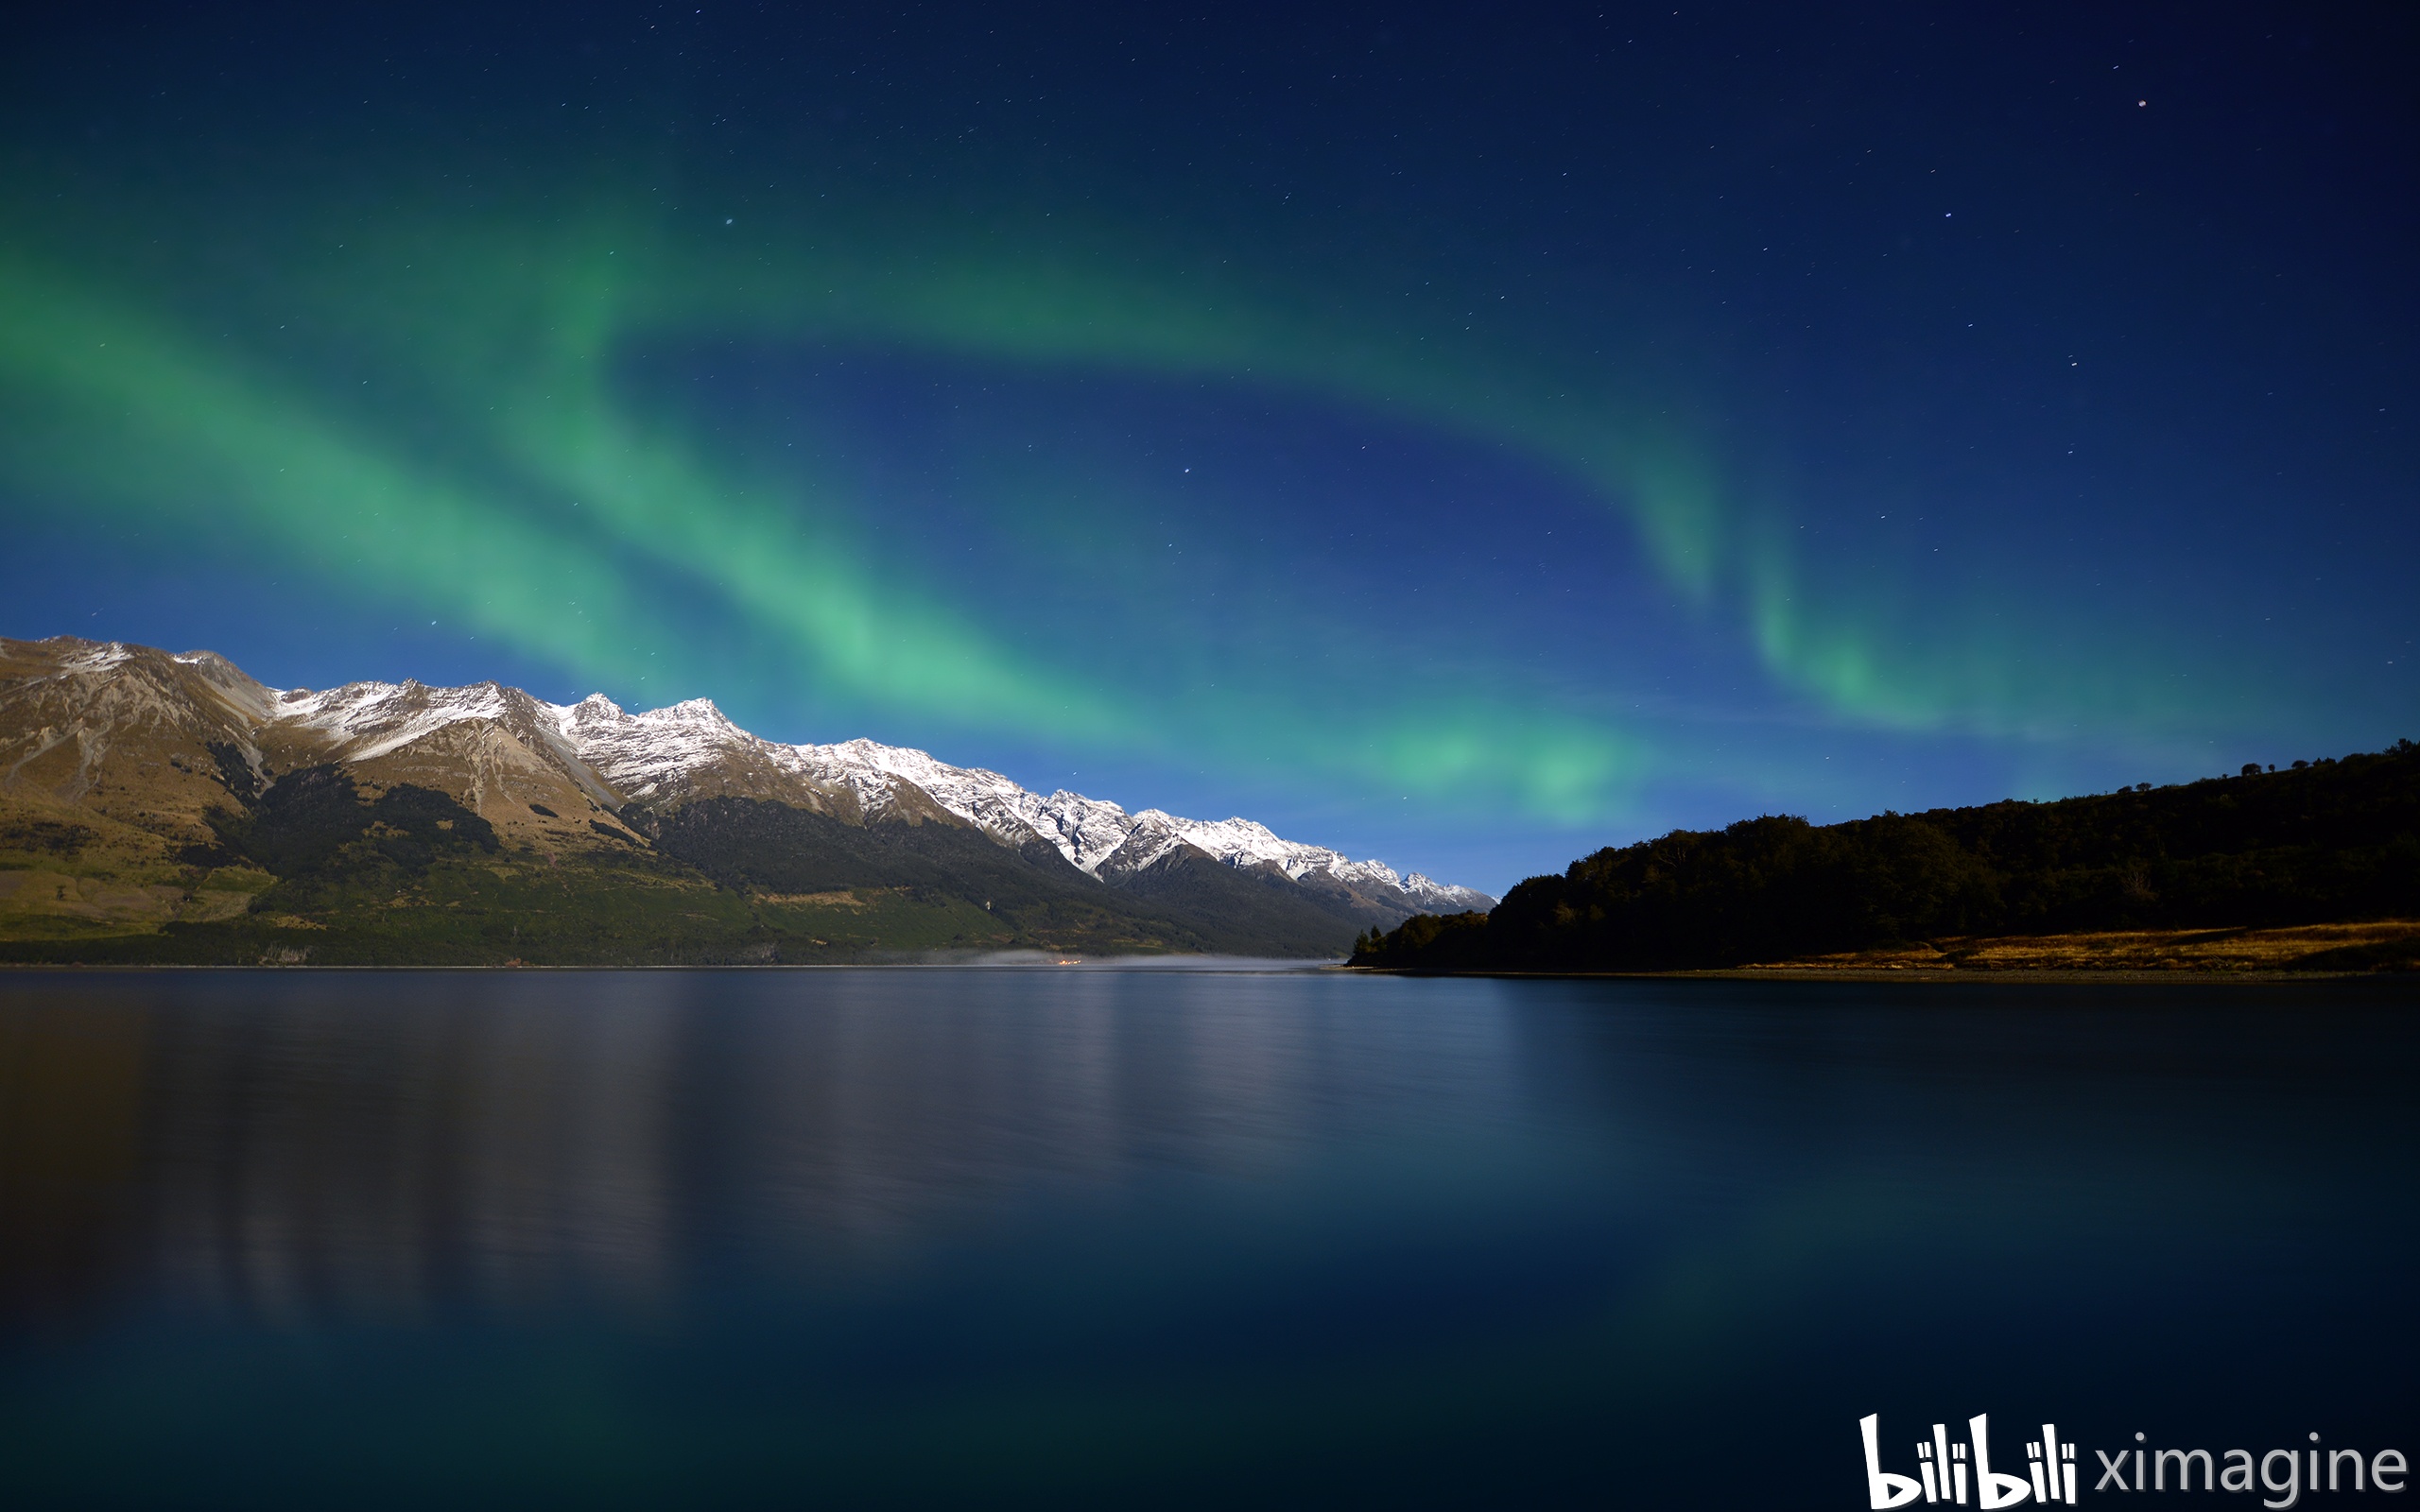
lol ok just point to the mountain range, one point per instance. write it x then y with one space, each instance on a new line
167 807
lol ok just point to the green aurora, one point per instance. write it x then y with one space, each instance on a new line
504 343
419 381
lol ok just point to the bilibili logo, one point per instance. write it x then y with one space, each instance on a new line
1946 1476
1961 1474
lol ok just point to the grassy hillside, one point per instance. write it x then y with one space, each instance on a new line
2332 841
317 870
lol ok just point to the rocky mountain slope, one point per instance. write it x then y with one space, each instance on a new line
158 806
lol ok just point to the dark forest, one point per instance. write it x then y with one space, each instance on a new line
2325 841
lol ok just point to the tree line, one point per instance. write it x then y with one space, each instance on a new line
2326 841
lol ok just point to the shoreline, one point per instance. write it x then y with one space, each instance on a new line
2285 953
1231 965
2048 976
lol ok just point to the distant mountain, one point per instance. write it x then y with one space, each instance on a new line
159 807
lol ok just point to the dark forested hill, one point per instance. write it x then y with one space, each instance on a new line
2327 841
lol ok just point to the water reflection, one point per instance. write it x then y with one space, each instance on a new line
380 1161
381 1145
964 1237
71 1136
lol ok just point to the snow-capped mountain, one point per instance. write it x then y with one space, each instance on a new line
1098 837
555 771
693 748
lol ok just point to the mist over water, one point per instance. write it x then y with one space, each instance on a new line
1152 1238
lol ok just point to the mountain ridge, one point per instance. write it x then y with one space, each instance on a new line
170 744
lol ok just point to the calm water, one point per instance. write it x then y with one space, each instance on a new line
1079 1239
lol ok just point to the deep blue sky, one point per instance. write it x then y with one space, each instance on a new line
1468 437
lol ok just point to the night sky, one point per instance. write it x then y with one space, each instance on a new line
1464 437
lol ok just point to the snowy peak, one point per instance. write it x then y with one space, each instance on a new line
1100 838
487 740
663 757
653 751
1086 831
364 721
1444 898
879 775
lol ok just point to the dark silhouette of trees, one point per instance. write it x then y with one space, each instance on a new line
2325 841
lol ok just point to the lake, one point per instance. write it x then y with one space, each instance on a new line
1162 1238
